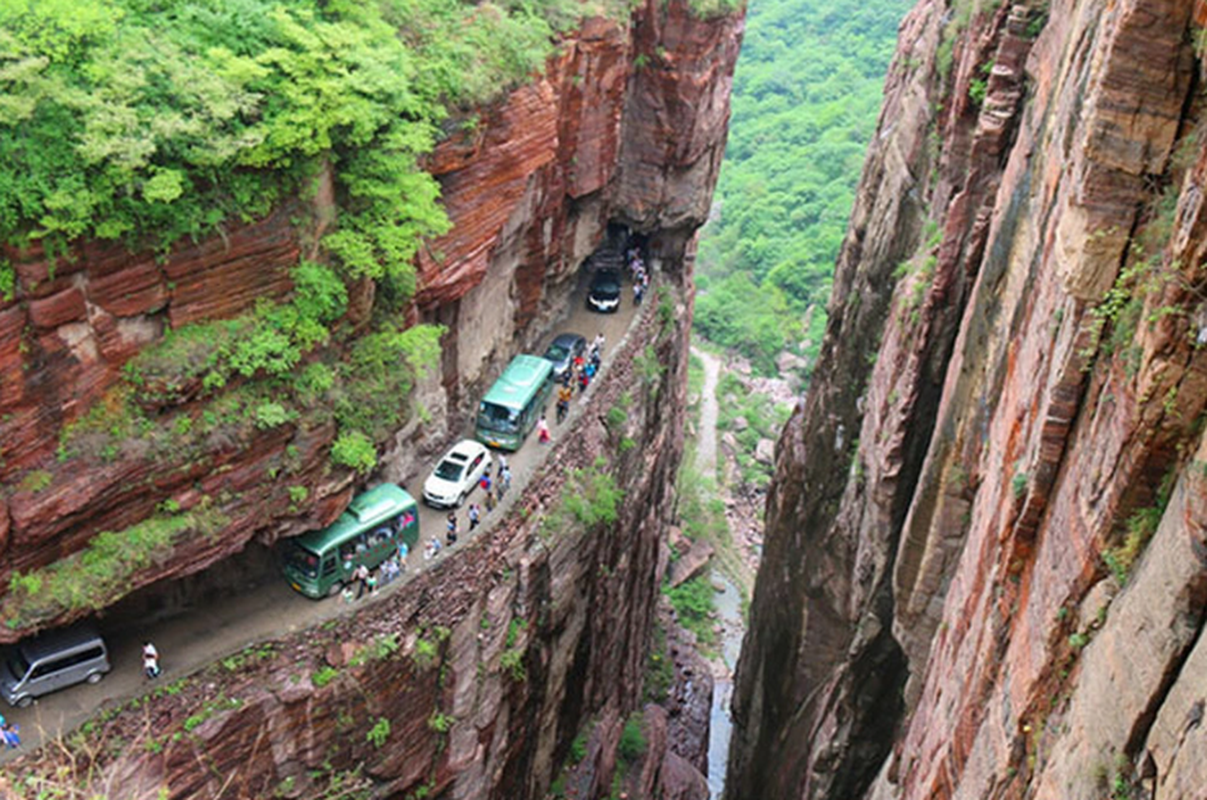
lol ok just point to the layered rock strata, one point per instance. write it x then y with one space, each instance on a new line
986 562
530 190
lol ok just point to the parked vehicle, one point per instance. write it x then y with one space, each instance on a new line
604 294
318 563
563 350
456 474
53 661
514 404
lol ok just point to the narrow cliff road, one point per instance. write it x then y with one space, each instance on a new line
214 631
706 436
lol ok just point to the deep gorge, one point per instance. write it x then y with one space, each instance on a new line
473 681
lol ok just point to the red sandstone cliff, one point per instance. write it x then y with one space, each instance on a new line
529 191
504 653
947 606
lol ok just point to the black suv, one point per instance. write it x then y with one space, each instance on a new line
604 294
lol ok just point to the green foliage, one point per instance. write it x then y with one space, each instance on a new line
1138 530
977 89
659 669
615 418
354 450
517 626
440 723
35 481
378 734
512 662
593 497
756 320
298 494
693 604
1018 484
764 420
632 740
373 382
424 655
806 95
95 576
8 281
269 415
323 676
153 121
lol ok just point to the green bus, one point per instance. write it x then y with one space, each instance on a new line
513 405
319 562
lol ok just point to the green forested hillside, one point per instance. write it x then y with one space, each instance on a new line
806 95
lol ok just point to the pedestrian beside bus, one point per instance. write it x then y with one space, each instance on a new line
542 431
361 576
475 514
451 534
150 661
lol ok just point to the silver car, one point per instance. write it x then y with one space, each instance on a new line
52 661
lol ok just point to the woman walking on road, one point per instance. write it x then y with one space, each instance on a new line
542 430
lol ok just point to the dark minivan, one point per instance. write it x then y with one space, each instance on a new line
52 661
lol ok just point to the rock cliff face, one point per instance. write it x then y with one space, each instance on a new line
530 188
472 682
986 560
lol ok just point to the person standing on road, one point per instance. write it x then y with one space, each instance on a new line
11 733
361 576
597 345
150 661
504 480
488 487
403 552
564 395
451 528
542 430
475 514
500 487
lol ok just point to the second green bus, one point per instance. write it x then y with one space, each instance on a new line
510 410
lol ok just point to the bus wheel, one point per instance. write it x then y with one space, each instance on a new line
335 589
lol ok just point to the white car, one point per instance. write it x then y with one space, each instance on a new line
456 474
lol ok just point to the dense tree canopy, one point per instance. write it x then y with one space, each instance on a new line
148 120
806 95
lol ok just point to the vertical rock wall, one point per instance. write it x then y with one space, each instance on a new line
986 560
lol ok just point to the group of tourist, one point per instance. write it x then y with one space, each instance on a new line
639 274
495 485
582 371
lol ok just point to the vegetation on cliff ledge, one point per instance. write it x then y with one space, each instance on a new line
149 121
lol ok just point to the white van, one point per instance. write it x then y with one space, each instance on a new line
52 661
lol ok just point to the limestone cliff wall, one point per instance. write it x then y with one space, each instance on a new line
986 561
530 189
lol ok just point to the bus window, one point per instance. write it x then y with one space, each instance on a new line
498 418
